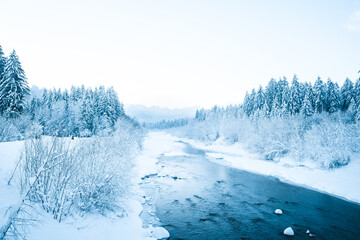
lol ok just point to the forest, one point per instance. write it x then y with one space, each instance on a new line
315 125
80 112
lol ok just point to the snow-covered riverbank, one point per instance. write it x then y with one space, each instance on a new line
90 227
342 182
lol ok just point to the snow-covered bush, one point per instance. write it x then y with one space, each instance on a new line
330 144
87 175
35 130
328 141
8 130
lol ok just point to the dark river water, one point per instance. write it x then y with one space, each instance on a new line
195 198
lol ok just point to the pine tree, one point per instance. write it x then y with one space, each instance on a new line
357 92
283 86
259 99
2 69
285 104
87 113
307 109
347 93
2 63
13 88
275 109
271 92
295 97
333 97
353 110
114 108
246 104
320 95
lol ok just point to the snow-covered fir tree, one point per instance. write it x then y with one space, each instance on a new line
333 100
347 94
307 108
14 87
2 63
320 95
295 96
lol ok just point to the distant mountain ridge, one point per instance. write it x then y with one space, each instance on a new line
156 114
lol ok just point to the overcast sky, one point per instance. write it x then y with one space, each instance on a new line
181 53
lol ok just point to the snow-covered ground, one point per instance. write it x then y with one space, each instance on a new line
91 227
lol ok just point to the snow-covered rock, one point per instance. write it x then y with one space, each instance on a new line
289 231
278 211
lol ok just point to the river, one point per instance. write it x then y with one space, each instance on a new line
195 198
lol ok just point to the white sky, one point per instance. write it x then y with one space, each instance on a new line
181 53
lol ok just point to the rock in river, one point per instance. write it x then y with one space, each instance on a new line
289 231
278 211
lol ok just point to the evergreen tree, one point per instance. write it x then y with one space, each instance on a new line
353 110
13 88
259 99
2 63
347 93
333 97
295 97
114 108
275 109
2 69
320 95
271 92
307 108
285 104
246 104
282 90
357 92
87 113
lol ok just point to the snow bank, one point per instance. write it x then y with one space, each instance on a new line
343 182
93 227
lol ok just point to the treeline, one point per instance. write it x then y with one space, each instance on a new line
167 124
279 98
80 112
313 125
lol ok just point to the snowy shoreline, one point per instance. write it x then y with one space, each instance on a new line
341 182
